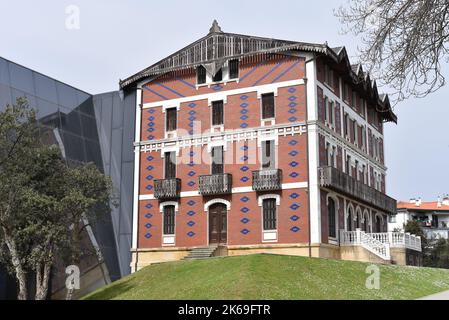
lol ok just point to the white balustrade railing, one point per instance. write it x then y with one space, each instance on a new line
380 243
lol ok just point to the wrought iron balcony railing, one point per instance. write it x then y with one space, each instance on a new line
167 188
267 180
335 179
215 184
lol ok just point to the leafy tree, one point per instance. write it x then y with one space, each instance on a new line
405 42
44 204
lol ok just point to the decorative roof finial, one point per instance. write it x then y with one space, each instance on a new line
215 27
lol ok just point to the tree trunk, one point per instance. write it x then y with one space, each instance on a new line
18 268
42 279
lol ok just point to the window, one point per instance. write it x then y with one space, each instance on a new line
327 153
171 121
332 219
345 92
364 173
354 130
201 75
354 99
348 165
362 140
357 170
346 124
218 76
333 156
217 113
233 69
268 106
329 105
268 158
169 220
217 160
326 113
170 165
363 107
349 221
269 214
328 76
392 218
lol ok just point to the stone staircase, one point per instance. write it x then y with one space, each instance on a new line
201 253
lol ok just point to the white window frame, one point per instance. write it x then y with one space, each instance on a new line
269 236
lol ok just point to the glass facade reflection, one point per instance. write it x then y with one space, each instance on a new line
87 128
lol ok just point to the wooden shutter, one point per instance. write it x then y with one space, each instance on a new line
217 113
217 160
170 165
171 115
268 106
269 214
169 220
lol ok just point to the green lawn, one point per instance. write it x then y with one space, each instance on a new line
273 277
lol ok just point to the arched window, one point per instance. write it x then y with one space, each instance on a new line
365 222
378 224
349 220
332 218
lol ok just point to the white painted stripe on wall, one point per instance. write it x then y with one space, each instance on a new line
188 194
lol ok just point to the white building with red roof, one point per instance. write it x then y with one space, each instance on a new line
433 216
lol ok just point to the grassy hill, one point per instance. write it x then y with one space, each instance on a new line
273 277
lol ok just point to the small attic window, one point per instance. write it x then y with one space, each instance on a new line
201 75
234 69
218 76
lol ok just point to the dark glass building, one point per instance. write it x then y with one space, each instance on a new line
87 128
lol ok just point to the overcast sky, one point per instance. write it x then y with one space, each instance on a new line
119 38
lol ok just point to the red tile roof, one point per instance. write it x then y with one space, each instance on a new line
425 206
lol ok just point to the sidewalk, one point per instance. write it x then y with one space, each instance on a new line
438 296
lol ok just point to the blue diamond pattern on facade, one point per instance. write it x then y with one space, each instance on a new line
192 113
191 164
244 231
191 173
148 225
148 235
148 216
244 158
151 130
295 229
150 158
244 118
295 206
150 137
244 210
149 187
191 203
244 220
294 218
191 184
244 199
192 105
294 175
244 148
149 206
191 153
293 143
292 98
244 125
192 118
244 111
244 97
191 213
150 168
294 195
244 179
293 153
292 90
292 111
244 169
151 124
151 118
191 223
293 104
191 234
150 177
152 111
244 105
294 164
292 119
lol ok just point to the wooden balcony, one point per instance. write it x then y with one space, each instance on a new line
167 188
267 180
215 184
339 181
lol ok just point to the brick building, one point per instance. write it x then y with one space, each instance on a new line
246 145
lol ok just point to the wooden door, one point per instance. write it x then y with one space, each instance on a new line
218 224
